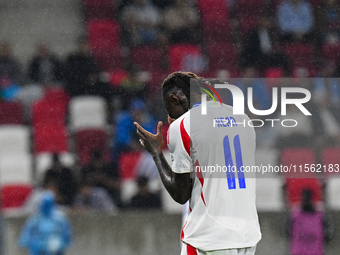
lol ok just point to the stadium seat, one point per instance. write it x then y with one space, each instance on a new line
129 188
213 7
87 112
179 54
222 55
14 139
95 9
146 58
15 168
269 194
44 160
331 52
127 164
14 195
295 186
46 112
50 138
89 140
11 113
104 38
296 157
300 55
331 157
332 194
56 95
297 181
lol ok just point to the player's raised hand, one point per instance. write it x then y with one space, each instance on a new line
153 143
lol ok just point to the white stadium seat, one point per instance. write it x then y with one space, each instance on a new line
87 112
269 196
129 188
14 139
43 162
15 168
332 193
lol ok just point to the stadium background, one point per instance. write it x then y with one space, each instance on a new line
40 116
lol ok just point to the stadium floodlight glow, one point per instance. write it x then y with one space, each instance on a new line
238 100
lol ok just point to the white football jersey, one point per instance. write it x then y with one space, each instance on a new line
222 205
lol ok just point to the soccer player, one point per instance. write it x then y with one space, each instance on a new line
222 218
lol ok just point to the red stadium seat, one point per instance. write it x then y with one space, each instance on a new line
48 113
98 9
14 195
222 55
250 8
331 52
213 7
215 20
296 157
10 113
146 58
297 182
127 164
331 161
56 95
50 138
300 55
179 54
295 187
104 38
89 140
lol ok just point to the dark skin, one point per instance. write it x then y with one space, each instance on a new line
179 186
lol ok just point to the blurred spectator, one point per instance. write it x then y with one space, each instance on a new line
133 86
9 90
44 67
104 175
146 167
32 203
141 21
93 198
97 85
9 66
48 232
328 21
308 228
295 19
79 66
259 49
64 179
144 199
125 137
181 20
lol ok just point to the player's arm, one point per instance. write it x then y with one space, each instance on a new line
179 186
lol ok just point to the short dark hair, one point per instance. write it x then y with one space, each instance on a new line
179 80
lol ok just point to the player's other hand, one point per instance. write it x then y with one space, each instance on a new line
170 120
153 143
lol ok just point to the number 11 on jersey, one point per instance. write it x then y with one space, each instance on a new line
230 165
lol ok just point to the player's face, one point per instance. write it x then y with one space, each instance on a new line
176 104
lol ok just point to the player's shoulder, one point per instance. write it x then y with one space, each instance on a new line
176 124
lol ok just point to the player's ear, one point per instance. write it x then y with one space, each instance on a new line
174 99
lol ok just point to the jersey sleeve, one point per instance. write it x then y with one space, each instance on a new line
179 147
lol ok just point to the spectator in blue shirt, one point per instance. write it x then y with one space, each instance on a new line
48 232
125 138
295 19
